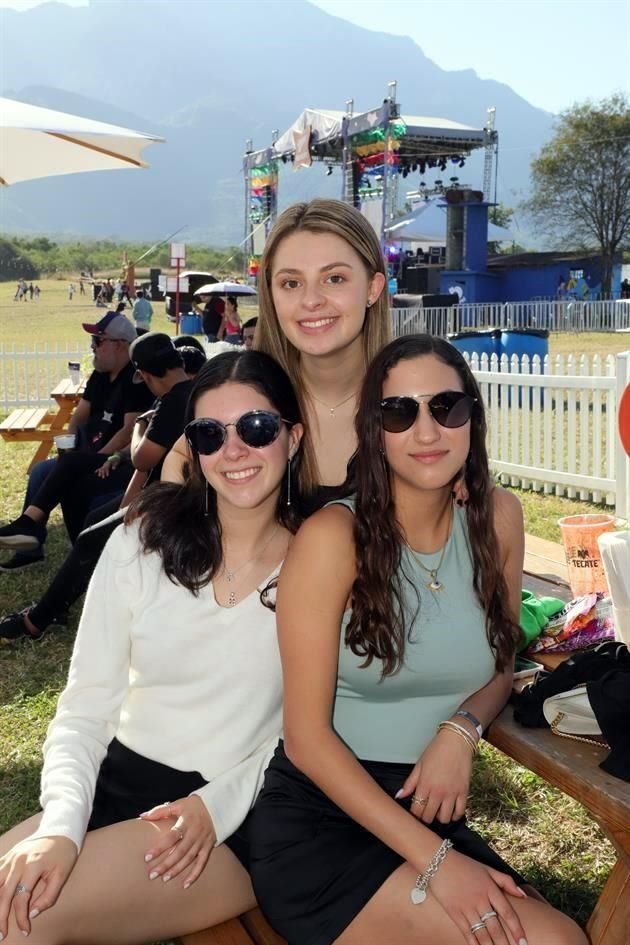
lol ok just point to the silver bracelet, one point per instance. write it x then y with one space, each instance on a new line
465 714
419 889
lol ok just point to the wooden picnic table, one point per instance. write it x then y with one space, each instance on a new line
571 766
39 425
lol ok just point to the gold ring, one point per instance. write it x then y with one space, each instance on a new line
420 801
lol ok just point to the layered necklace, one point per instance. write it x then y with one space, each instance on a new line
434 584
331 408
230 573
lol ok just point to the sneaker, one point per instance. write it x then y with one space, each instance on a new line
19 561
13 626
22 535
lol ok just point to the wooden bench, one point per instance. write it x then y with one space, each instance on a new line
571 766
39 425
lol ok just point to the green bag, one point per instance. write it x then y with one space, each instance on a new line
536 612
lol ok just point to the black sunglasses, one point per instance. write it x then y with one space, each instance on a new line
256 428
98 340
451 409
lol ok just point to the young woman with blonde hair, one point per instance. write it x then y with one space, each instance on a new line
323 315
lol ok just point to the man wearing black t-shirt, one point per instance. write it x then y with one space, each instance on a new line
160 366
103 423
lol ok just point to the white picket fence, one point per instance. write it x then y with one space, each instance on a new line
552 424
28 374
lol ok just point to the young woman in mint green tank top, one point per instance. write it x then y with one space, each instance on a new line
397 620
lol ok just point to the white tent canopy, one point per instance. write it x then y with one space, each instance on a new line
40 142
427 224
423 132
324 125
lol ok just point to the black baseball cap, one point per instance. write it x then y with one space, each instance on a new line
148 351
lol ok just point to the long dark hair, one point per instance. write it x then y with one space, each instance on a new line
376 629
174 521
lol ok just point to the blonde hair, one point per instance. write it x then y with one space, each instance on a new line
341 219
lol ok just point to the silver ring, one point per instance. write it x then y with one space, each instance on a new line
180 834
477 927
21 888
487 915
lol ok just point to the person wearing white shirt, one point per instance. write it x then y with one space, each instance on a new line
174 689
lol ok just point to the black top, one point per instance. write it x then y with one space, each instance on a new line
212 315
167 423
109 402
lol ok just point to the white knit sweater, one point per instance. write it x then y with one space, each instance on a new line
174 677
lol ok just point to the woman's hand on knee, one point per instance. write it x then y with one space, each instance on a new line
32 874
477 899
439 782
183 847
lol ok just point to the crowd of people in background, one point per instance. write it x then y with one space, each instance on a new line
25 291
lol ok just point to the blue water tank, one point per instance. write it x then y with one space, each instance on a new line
477 342
190 325
526 342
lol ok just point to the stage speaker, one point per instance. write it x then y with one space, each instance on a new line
416 280
440 300
154 275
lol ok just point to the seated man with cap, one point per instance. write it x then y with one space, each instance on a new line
103 422
158 364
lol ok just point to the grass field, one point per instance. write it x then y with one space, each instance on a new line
540 831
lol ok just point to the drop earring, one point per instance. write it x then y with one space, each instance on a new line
288 502
205 508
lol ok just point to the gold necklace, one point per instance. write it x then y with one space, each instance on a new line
230 573
434 584
336 406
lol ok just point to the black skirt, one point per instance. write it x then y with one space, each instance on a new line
314 868
129 784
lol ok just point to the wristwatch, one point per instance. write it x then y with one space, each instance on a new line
471 718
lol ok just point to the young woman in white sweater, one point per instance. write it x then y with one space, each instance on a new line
173 702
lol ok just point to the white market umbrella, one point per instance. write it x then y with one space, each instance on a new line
39 142
225 288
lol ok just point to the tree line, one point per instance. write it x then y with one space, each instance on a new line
38 257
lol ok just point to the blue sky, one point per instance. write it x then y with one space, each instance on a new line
552 52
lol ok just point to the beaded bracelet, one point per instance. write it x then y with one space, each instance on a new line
419 889
461 731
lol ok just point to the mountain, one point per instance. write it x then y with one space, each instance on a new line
207 76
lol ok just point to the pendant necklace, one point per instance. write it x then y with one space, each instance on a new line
434 584
330 409
230 573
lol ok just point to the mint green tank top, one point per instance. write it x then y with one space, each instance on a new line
447 658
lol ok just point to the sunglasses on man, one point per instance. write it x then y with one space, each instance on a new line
256 428
450 408
98 340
